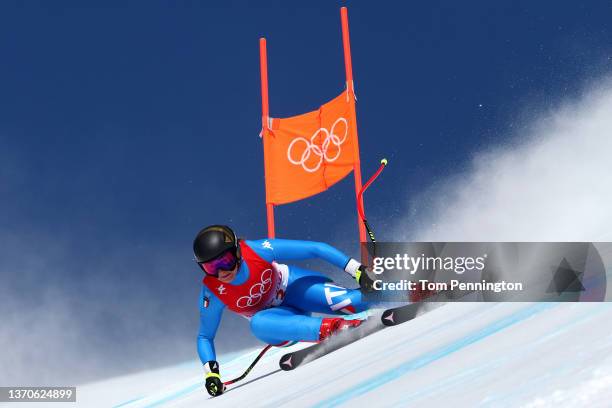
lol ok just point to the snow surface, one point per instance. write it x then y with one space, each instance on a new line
462 354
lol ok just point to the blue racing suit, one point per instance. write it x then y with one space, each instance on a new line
307 292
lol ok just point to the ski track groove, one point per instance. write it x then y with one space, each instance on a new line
287 399
467 374
185 391
417 362
413 364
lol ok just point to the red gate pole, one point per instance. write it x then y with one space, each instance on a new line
350 88
265 114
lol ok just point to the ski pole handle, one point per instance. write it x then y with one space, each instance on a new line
383 164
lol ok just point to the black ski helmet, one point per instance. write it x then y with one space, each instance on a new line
213 241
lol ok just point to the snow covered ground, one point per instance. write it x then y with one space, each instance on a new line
552 187
465 354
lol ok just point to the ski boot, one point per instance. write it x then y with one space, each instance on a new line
333 325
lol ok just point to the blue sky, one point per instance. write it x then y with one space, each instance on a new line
127 126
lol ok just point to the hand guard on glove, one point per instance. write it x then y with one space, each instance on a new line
366 284
359 272
213 384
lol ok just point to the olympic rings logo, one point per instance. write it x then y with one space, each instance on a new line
257 291
331 138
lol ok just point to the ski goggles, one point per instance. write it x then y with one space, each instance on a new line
226 261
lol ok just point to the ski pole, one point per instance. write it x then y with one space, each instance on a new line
248 370
360 209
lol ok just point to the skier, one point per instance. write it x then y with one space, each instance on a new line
278 299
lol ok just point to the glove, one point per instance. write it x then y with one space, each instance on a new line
213 384
366 284
359 272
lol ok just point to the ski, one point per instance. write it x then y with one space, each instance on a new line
389 317
405 313
291 361
402 314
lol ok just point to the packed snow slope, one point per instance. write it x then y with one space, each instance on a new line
549 183
466 354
